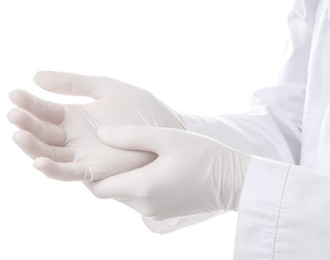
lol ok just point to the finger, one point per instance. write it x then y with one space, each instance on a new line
130 184
133 137
44 110
35 148
44 131
70 171
74 84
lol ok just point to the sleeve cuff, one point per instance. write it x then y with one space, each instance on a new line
170 225
259 208
194 123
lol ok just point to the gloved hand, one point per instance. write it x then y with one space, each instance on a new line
63 138
193 174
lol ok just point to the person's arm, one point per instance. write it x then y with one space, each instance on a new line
271 128
284 209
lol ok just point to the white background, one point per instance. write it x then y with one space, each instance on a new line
200 57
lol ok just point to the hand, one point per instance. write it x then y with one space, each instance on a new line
193 174
63 138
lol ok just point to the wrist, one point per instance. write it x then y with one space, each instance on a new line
194 124
233 169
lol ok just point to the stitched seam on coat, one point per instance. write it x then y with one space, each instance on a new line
279 211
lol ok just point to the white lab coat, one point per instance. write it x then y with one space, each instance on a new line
284 212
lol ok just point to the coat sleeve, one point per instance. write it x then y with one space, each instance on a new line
271 128
284 213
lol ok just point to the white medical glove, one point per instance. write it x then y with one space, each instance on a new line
63 138
193 174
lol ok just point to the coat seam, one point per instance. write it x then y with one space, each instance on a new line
279 212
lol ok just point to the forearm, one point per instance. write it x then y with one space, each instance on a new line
271 128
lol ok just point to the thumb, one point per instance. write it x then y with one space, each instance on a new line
134 137
70 84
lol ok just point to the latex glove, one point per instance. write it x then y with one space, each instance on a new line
63 138
193 174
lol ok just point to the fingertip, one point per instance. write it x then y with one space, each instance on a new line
11 116
40 163
45 166
37 163
48 79
18 137
35 77
17 96
16 116
40 76
14 137
22 138
59 171
12 95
